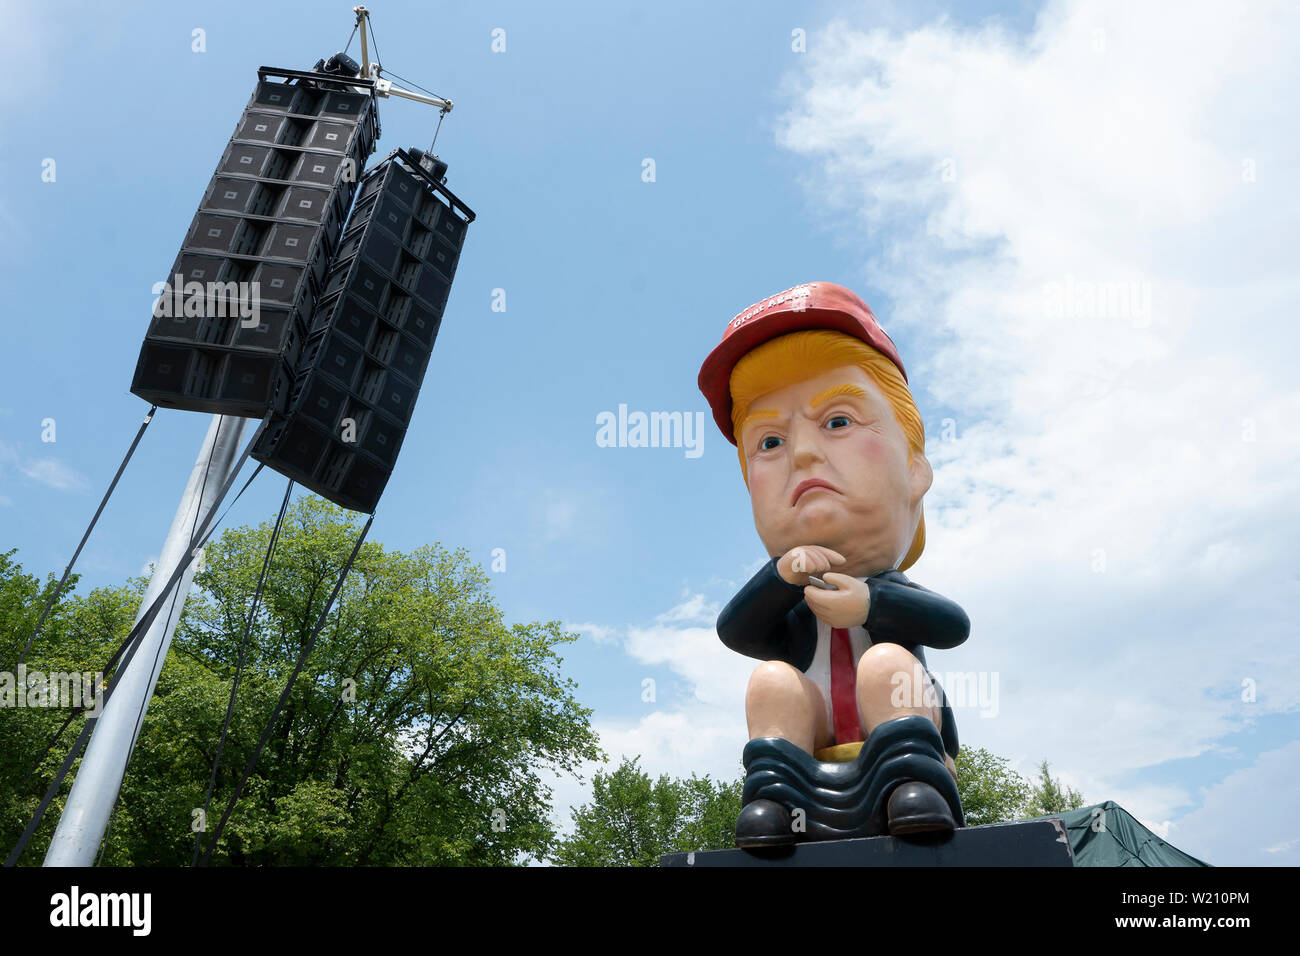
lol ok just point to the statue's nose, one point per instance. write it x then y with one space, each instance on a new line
805 443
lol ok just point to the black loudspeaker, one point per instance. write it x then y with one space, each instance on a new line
375 324
227 336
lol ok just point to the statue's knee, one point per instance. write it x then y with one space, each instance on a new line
890 672
887 665
772 679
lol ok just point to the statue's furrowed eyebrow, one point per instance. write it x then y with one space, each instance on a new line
756 413
822 397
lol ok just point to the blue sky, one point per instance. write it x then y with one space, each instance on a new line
1114 477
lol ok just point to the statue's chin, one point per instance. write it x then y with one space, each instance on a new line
865 553
857 563
821 522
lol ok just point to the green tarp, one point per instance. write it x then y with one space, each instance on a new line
1105 834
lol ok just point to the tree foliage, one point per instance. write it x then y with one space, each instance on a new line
632 820
417 733
991 792
1048 796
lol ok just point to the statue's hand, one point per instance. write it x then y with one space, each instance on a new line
846 606
798 563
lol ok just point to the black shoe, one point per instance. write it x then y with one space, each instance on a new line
916 807
764 823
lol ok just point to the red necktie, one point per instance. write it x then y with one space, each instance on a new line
844 689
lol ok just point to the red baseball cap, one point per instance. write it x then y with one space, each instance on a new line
813 305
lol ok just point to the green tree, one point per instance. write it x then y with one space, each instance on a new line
417 733
67 640
991 792
632 820
1049 797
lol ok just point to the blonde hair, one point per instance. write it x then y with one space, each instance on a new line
797 356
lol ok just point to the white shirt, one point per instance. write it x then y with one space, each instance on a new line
819 671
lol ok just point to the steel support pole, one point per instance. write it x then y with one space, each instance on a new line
94 791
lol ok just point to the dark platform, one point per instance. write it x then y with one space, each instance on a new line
1036 843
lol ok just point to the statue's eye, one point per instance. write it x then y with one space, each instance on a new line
770 442
839 421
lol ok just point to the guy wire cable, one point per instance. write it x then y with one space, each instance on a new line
130 639
284 695
132 642
239 668
129 646
144 703
85 537
374 38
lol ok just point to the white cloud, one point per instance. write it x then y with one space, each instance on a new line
55 474
695 739
1117 510
694 609
1248 819
716 674
702 733
24 47
598 633
46 471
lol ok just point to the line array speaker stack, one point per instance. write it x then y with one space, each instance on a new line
260 244
371 334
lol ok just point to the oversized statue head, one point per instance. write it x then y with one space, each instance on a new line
813 393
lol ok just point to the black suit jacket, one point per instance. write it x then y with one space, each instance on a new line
769 620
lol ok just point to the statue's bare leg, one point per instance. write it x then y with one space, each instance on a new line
782 702
892 683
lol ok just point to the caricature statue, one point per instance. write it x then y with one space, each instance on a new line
849 733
